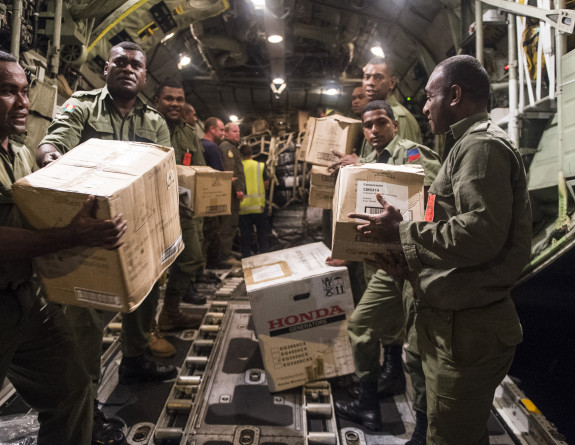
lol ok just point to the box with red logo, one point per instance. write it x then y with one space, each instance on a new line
300 307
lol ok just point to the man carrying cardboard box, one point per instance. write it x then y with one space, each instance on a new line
379 316
114 112
190 263
38 352
465 257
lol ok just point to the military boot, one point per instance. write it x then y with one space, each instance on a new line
172 318
107 430
365 409
392 377
420 432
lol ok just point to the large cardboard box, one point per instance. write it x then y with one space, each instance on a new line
208 192
135 179
322 187
355 190
300 307
330 133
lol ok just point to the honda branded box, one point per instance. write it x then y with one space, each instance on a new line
300 307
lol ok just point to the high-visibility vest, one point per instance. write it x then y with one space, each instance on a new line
255 199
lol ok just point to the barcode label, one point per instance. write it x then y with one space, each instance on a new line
214 209
91 296
373 210
172 250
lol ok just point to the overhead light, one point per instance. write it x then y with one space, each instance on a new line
275 38
259 4
377 51
233 118
168 37
331 92
184 60
278 81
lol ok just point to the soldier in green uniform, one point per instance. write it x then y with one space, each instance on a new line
232 159
465 257
38 352
189 264
379 316
114 112
379 84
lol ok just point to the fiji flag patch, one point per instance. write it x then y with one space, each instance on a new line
68 108
413 154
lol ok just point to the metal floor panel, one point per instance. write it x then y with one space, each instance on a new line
220 396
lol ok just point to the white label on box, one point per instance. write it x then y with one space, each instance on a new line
268 272
91 296
172 250
396 195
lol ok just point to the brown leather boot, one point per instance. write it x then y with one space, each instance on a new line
159 346
174 321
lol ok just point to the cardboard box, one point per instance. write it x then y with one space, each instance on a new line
320 197
208 191
135 179
355 190
322 188
300 307
301 154
331 133
320 177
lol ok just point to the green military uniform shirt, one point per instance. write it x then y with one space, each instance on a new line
405 152
477 234
13 168
93 114
184 140
232 160
408 128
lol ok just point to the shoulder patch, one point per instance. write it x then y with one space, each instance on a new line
413 154
68 108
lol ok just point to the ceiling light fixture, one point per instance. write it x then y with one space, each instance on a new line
184 60
277 90
259 4
168 37
377 51
233 118
275 38
278 81
332 92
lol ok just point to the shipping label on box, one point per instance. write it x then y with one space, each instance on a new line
208 191
355 192
337 133
300 307
134 179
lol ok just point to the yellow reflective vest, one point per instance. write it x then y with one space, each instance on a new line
255 198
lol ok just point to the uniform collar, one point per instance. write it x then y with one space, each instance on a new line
391 147
459 128
138 104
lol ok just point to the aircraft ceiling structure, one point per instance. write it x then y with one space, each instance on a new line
325 45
